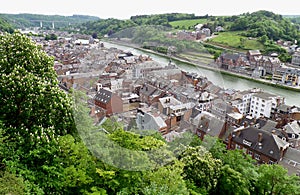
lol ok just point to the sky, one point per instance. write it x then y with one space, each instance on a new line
123 9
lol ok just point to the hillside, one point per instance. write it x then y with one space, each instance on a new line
260 23
33 20
110 26
5 26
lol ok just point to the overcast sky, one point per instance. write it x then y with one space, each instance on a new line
123 9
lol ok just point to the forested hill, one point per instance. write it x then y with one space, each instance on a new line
33 20
267 23
110 26
5 26
256 24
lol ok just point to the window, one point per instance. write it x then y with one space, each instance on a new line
257 156
237 146
250 152
271 162
293 135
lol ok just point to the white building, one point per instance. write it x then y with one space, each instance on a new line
262 104
141 70
243 103
116 85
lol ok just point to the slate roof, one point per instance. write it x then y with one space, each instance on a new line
231 56
254 52
148 90
211 125
269 146
293 127
103 95
291 161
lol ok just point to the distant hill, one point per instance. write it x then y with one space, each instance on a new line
36 20
260 23
5 26
110 26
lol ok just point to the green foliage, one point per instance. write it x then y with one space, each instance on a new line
153 37
273 179
231 182
266 23
52 36
33 20
10 184
187 24
285 57
200 168
5 25
236 40
29 92
165 180
162 19
106 27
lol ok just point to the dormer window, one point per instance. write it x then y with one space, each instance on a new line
293 135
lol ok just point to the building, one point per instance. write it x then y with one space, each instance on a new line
292 77
296 59
291 161
150 94
230 61
175 110
147 121
210 125
292 130
109 101
143 69
263 104
261 145
243 100
253 55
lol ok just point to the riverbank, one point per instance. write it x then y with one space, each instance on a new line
212 66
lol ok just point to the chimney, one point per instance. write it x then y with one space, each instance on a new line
99 86
273 131
259 137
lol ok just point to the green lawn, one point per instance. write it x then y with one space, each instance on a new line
235 40
185 24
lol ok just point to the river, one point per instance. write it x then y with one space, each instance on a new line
222 80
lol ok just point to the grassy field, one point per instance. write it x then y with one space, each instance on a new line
185 24
234 40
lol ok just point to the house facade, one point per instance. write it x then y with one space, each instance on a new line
262 104
261 145
109 101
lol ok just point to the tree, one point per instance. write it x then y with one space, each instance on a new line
263 39
34 111
29 92
273 179
166 180
231 182
10 184
52 36
200 168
